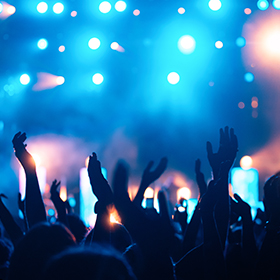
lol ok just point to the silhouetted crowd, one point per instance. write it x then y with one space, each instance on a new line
221 241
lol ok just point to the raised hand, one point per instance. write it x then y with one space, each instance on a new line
99 184
148 178
21 153
241 208
228 148
200 179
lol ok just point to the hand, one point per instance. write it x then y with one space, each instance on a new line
240 207
54 186
227 150
99 184
200 179
21 153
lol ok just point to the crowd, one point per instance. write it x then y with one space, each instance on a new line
221 241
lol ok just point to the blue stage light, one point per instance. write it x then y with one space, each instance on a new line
42 7
42 44
120 6
1 8
249 77
105 7
240 42
263 4
276 4
173 78
58 8
186 44
215 5
97 79
24 79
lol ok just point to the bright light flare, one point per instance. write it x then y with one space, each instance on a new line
116 47
63 193
42 44
184 193
149 193
105 7
58 8
94 43
272 42
42 7
97 79
120 6
114 216
173 78
219 44
181 11
186 44
47 81
246 162
24 79
276 4
37 159
215 5
262 5
6 10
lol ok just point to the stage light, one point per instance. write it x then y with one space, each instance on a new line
184 193
114 46
58 8
149 193
61 48
219 44
24 79
72 201
120 6
276 4
105 7
63 193
240 42
1 7
215 5
94 43
42 44
11 10
186 44
263 4
249 77
173 78
246 162
60 80
97 79
272 42
136 12
181 11
42 7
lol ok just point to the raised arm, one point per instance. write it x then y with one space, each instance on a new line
34 206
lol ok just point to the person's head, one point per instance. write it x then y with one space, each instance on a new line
88 263
77 227
39 244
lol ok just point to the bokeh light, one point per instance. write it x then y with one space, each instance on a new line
186 44
58 8
11 10
276 4
24 79
219 44
181 10
60 80
136 12
241 105
114 46
63 193
247 11
240 42
1 7
215 5
120 6
94 43
246 162
105 7
262 5
249 77
97 79
42 44
61 48
42 7
73 14
149 193
173 78
183 193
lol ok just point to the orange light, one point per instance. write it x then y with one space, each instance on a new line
246 162
7 11
254 104
183 193
63 193
114 216
241 105
247 11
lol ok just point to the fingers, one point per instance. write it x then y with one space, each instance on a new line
161 166
197 166
120 179
163 206
209 149
238 198
149 166
55 185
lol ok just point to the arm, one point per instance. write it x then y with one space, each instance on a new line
148 178
21 207
35 209
9 223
